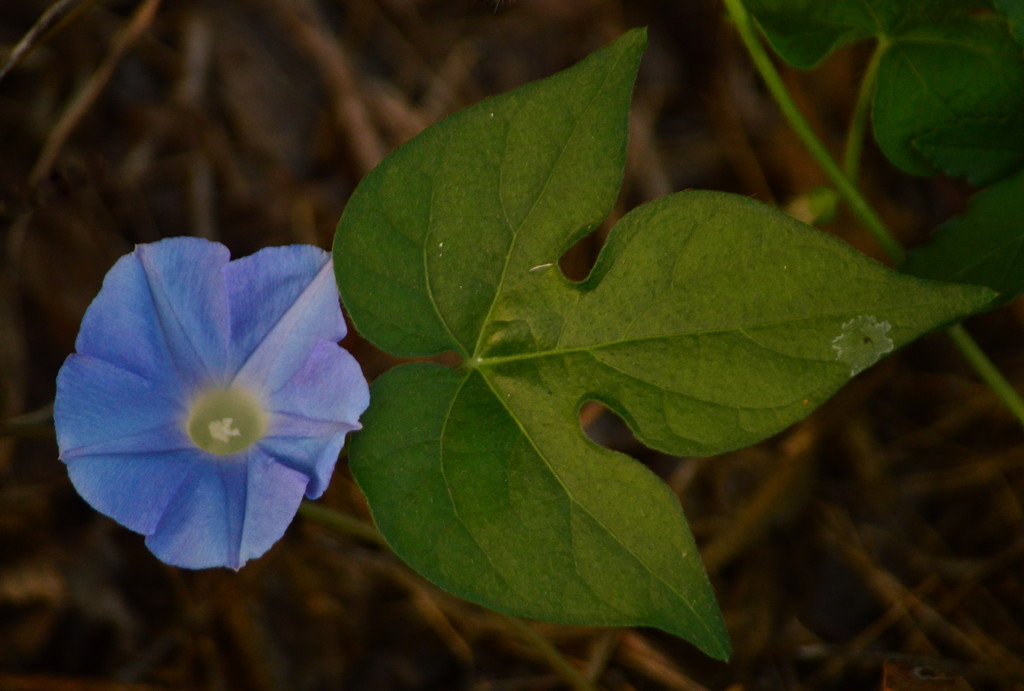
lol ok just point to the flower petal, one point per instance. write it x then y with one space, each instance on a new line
275 492
186 279
228 511
314 459
162 313
283 301
121 325
134 489
201 526
99 403
313 411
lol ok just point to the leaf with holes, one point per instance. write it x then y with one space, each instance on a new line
709 321
947 67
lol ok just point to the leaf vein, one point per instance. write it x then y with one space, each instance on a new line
568 492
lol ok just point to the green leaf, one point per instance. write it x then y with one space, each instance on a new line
947 65
984 246
947 75
983 151
450 202
1014 11
803 32
468 493
710 321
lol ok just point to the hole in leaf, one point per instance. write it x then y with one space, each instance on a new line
577 261
606 428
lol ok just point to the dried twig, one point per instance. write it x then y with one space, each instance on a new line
55 15
87 95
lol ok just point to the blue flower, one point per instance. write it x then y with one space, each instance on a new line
207 396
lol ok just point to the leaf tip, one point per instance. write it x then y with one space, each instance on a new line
634 40
717 644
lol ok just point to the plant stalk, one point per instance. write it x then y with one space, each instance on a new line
772 79
342 522
987 370
858 123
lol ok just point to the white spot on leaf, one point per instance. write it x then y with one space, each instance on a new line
862 343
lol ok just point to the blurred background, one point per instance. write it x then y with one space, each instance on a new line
887 528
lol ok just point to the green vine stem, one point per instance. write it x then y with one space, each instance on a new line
858 123
858 204
341 522
35 424
987 370
772 79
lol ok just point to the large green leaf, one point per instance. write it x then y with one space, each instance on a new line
947 66
710 321
984 246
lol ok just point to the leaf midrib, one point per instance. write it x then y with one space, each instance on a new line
499 289
484 362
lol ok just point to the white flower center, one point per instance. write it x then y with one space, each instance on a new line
221 430
226 421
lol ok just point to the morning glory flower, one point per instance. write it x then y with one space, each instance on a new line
207 396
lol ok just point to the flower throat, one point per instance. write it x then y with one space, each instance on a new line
226 421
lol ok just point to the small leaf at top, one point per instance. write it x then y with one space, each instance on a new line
984 246
709 321
947 65
803 32
948 75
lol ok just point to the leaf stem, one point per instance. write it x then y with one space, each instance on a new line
858 122
803 130
34 424
343 522
565 669
987 370
842 180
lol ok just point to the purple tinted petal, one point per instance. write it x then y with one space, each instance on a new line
121 325
98 403
313 411
133 489
283 301
227 511
314 459
329 386
171 438
185 281
274 495
201 526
